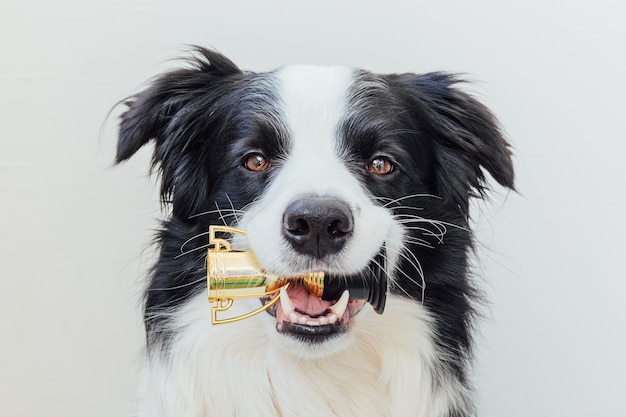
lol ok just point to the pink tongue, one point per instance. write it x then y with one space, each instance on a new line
305 302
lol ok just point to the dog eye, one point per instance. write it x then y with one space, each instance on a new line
380 166
256 162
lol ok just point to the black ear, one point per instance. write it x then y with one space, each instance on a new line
151 111
467 135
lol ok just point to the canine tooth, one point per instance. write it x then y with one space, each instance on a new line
332 319
340 306
285 302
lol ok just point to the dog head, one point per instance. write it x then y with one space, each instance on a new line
324 168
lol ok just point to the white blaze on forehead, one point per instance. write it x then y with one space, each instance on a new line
314 99
314 102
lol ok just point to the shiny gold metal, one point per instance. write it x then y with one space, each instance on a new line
234 275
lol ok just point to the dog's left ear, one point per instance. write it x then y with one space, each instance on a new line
467 135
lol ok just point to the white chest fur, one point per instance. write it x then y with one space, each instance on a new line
246 369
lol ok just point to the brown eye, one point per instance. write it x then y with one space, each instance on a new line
256 162
380 166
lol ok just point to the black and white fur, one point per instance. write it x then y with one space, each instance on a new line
318 129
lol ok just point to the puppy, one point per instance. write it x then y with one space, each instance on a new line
325 168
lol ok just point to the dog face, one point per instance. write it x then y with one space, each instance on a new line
324 168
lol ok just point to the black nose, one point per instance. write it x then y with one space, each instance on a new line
317 226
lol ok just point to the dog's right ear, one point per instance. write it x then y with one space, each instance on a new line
153 109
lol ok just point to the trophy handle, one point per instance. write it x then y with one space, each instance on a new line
222 244
225 304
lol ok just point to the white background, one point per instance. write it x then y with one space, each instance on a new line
74 231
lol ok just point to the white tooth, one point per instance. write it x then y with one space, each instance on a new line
313 323
340 306
323 320
293 317
302 320
285 302
332 319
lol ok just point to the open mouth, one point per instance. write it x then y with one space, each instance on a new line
305 316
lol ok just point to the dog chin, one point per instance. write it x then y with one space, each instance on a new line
308 348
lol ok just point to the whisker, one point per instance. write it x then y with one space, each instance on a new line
232 207
398 286
407 208
416 264
419 242
219 211
406 197
439 234
204 213
385 269
408 218
193 250
402 289
182 247
381 198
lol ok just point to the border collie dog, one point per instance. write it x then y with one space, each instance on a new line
321 167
